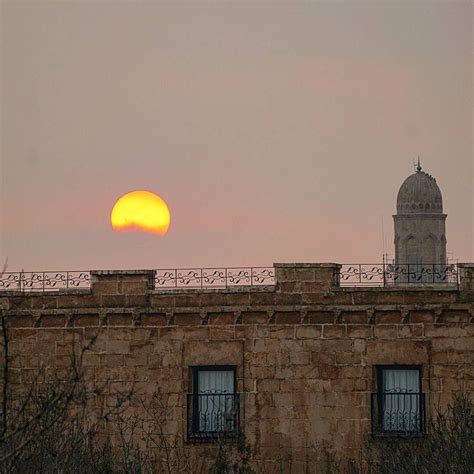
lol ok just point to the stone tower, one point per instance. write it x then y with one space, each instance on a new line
420 230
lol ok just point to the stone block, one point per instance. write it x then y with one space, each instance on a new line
119 319
44 302
359 331
287 317
300 358
268 385
255 317
84 320
348 358
402 352
388 317
288 298
188 319
53 321
118 347
354 317
158 300
111 360
221 318
213 353
334 331
154 319
136 300
321 317
410 331
445 330
22 321
308 331
422 317
238 299
262 298
453 344
112 301
385 331
224 333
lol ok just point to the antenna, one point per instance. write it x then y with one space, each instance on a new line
384 249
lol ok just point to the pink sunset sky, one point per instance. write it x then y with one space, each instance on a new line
276 132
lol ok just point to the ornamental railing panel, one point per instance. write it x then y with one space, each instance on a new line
369 274
214 277
165 279
44 281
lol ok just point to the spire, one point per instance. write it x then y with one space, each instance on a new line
418 167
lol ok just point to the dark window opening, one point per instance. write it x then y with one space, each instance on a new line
398 407
213 405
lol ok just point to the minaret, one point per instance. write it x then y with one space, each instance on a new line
420 230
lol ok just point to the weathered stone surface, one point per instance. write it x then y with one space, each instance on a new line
305 362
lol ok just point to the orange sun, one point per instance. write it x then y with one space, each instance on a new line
141 211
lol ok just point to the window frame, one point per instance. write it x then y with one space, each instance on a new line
194 434
378 405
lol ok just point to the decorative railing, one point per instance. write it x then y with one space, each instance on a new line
398 413
44 281
369 275
194 278
214 277
385 274
213 415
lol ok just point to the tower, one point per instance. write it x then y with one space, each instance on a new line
420 229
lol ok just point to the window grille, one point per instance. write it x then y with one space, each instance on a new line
213 407
398 407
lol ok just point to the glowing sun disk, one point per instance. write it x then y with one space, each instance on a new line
142 211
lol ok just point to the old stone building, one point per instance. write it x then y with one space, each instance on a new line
298 356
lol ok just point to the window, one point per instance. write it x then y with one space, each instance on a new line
398 405
213 405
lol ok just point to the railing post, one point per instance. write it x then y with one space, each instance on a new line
251 276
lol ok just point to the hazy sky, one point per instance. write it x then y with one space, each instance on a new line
274 131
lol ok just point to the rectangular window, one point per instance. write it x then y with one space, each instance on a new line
213 405
398 405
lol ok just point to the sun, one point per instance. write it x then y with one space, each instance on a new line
141 211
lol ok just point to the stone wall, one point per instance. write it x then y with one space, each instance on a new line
305 350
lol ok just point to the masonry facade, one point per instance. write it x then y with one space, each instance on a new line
298 366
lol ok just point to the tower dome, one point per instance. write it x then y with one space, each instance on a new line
419 194
420 230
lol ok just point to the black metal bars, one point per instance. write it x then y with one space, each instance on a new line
213 415
398 413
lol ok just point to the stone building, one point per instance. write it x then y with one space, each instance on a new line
298 357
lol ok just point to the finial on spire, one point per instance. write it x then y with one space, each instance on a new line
418 167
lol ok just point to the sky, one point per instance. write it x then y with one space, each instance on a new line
276 132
